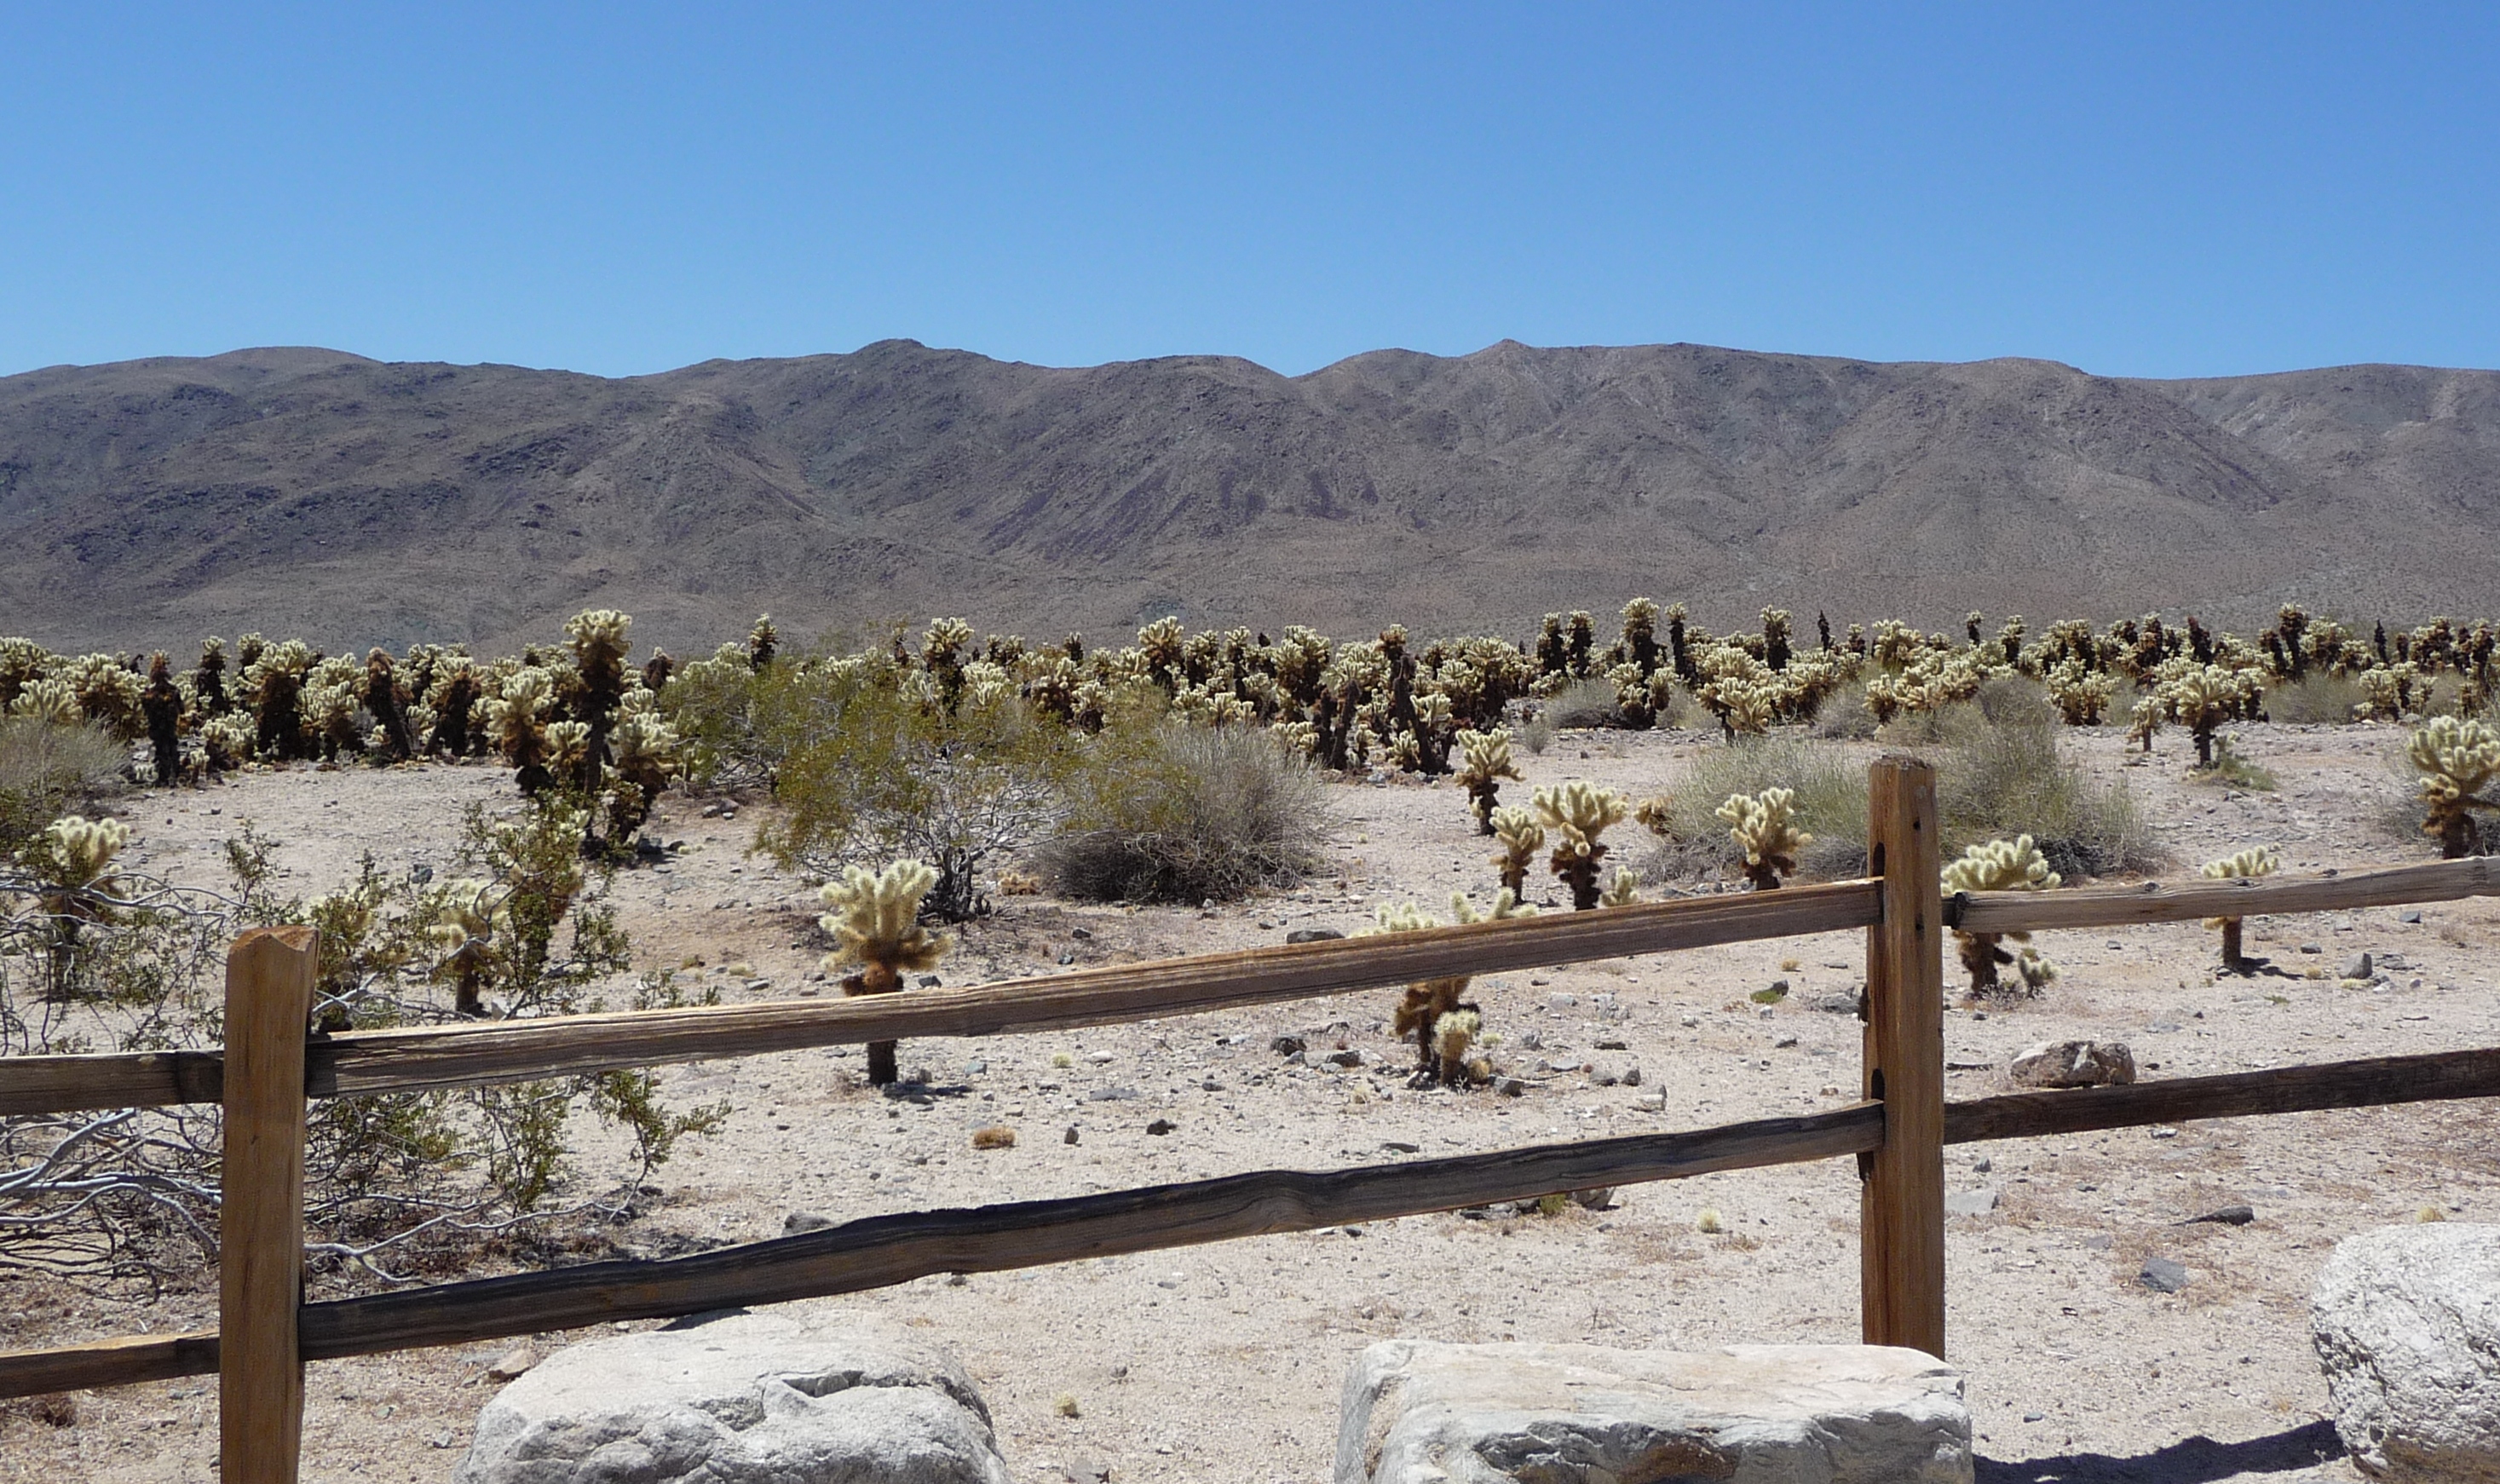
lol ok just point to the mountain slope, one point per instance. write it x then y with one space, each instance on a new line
356 502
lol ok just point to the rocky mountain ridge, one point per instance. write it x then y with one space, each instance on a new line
359 501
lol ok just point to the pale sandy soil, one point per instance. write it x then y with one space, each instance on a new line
1222 1363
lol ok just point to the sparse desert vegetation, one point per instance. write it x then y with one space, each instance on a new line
578 824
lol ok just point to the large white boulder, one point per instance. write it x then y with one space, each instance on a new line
771 1398
1421 1412
2407 1321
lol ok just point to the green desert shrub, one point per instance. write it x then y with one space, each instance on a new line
1999 775
46 768
1179 814
1590 703
880 770
1827 789
1843 716
2319 697
2006 774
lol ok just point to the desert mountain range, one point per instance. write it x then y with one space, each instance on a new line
356 502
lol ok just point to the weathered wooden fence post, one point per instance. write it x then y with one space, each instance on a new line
260 1223
1901 1212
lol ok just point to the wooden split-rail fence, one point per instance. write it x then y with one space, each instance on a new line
269 1066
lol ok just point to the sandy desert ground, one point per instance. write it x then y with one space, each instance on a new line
1222 1363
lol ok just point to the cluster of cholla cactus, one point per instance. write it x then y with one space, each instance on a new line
1389 703
2001 865
2202 698
1485 760
2246 865
876 924
1578 814
1763 826
576 719
1445 1026
2458 761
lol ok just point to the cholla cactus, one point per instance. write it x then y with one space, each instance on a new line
1761 826
52 702
2081 696
2001 865
1453 1035
600 645
1578 814
1521 838
567 747
109 693
225 742
2458 761
162 703
1160 651
944 652
648 757
1624 890
453 696
386 701
23 662
465 927
516 725
2145 720
1426 1007
2389 691
2261 861
761 641
331 710
71 863
1485 760
273 682
1657 815
2204 696
875 920
1639 643
1741 691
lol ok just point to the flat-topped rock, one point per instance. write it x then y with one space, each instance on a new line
2407 1323
1423 1412
772 1398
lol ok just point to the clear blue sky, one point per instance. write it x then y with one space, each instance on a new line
2139 189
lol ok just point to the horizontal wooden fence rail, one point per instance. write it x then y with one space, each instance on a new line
364 1062
501 1051
883 1250
880 1251
2111 907
2376 1082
